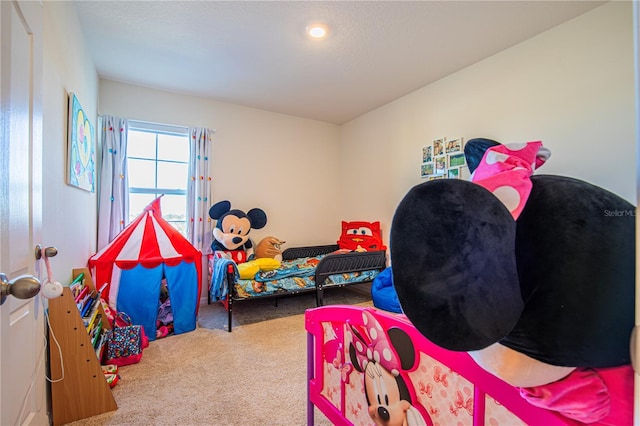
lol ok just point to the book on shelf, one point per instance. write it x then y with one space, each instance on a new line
77 285
101 344
82 294
101 290
91 320
91 302
96 331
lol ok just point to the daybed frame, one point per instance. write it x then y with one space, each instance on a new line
331 264
446 387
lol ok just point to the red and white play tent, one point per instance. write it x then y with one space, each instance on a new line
134 264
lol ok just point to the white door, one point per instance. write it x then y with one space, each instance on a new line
22 351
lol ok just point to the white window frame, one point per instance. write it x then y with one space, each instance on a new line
164 129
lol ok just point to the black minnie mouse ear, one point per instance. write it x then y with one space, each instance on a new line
454 267
474 150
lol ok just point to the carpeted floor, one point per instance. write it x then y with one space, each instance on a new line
252 376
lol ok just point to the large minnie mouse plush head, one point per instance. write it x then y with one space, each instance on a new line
533 275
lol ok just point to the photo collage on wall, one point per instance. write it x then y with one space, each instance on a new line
443 159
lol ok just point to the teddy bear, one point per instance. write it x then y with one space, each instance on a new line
533 275
269 248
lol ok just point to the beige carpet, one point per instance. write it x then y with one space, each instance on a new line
255 375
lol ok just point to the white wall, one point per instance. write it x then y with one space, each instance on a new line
287 166
571 87
69 213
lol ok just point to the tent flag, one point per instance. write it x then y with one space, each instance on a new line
155 206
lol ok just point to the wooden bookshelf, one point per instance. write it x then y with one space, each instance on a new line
84 391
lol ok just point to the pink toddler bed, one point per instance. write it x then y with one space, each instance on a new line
367 366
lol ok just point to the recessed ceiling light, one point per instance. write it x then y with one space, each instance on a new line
317 31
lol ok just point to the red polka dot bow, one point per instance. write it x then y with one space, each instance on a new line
371 344
506 171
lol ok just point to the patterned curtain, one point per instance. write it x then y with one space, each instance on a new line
113 199
199 224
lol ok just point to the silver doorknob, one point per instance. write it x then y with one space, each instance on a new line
22 287
48 251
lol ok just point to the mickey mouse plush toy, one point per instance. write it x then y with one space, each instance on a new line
533 276
231 234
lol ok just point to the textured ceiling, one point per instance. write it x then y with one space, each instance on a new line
256 53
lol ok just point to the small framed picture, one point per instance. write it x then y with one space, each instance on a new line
456 160
438 147
441 164
453 173
426 170
427 154
453 145
436 177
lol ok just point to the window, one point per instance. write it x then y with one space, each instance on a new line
158 163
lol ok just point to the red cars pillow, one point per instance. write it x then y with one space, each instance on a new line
361 236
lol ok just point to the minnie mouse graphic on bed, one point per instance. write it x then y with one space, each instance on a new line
383 360
384 357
